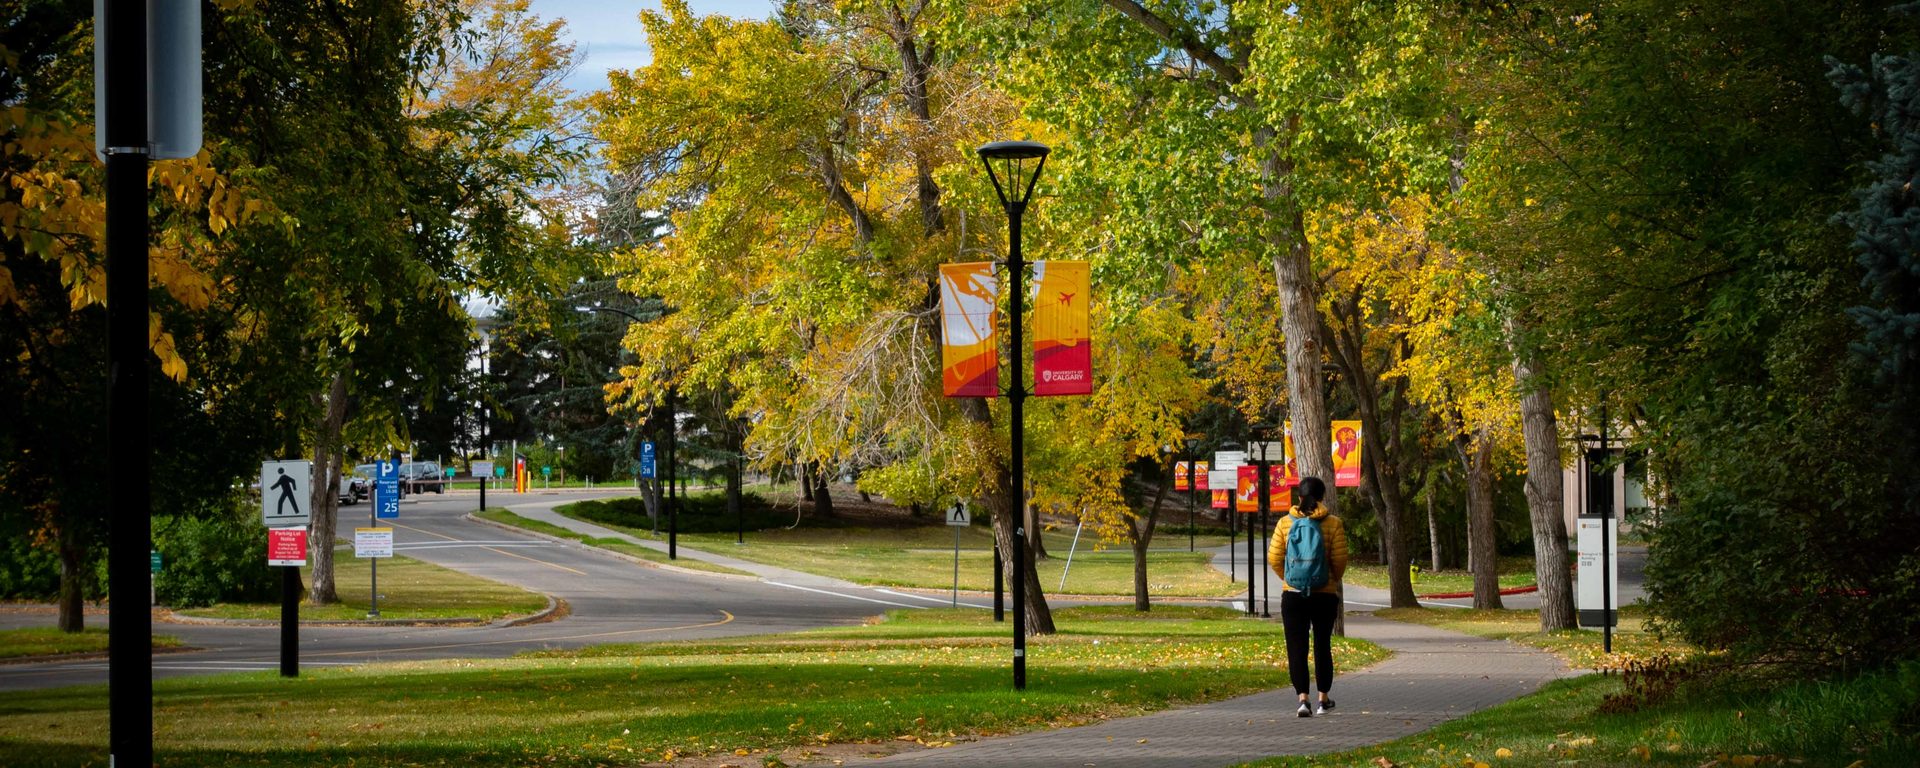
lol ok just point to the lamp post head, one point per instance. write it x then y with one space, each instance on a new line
1013 158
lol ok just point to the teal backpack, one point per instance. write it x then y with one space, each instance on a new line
1307 562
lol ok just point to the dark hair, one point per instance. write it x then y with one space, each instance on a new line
1311 491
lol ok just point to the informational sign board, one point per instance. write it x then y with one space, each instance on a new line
449 472
386 490
1594 587
373 542
958 516
482 468
287 546
649 463
1229 459
153 561
285 493
1222 479
1272 450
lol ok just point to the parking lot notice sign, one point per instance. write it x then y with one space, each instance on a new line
287 546
285 493
386 491
373 542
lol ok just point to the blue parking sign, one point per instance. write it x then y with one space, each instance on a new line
386 490
647 466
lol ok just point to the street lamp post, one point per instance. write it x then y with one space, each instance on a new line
1015 192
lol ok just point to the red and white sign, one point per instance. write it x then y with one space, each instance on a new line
287 546
1200 476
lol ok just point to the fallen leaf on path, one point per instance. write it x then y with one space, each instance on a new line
1142 741
1642 751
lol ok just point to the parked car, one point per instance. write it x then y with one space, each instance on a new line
355 487
368 472
416 477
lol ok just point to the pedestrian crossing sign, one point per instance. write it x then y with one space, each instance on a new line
284 493
957 516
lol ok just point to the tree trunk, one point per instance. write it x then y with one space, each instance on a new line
822 498
1006 520
1545 500
806 481
1299 319
1433 533
73 616
1035 544
325 479
1476 456
1140 535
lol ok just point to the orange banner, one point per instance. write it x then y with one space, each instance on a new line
1247 496
1200 475
1180 476
969 350
1293 465
1222 499
1062 348
1346 453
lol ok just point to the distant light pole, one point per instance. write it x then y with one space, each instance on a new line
673 430
1015 193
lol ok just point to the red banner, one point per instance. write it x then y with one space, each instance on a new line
1200 475
969 350
1279 494
1180 469
1222 499
1062 348
286 546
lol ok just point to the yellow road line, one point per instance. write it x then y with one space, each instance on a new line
489 549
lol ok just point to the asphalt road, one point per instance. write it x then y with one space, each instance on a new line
611 600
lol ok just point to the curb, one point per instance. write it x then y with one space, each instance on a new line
554 605
576 544
89 656
1457 595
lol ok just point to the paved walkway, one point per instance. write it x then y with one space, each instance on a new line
1434 676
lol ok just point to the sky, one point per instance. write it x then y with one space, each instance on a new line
609 35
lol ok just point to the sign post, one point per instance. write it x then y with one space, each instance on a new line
1599 559
375 543
957 518
284 500
484 471
153 574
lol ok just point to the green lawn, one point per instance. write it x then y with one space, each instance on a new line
935 676
1514 572
1582 648
47 641
1858 723
616 545
922 556
412 589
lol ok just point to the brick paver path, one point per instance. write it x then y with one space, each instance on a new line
1434 676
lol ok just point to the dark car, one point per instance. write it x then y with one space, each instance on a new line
418 476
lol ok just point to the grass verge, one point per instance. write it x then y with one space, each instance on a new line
50 641
1582 648
923 557
621 546
1514 572
1857 722
934 676
409 588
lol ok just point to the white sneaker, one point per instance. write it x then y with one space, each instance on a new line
1305 710
1325 707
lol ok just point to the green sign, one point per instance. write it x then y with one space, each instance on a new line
449 472
500 471
546 470
153 560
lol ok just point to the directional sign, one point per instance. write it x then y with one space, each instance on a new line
1228 460
386 490
1272 450
1222 479
648 468
373 542
287 546
153 559
957 516
285 494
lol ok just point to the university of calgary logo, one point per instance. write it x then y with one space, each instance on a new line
1046 375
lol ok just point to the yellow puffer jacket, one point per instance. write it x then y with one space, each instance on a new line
1330 527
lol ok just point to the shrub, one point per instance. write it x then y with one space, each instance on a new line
215 559
28 572
699 513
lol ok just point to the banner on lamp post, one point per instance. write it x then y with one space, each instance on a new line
1062 346
1292 464
1200 476
1180 476
969 349
1346 453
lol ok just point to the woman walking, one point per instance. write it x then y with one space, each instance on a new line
1309 553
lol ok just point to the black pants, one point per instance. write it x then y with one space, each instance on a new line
1301 613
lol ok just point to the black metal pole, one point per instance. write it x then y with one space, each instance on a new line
290 621
1019 614
673 467
1266 590
1606 548
129 622
1253 591
1190 489
999 585
1017 398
